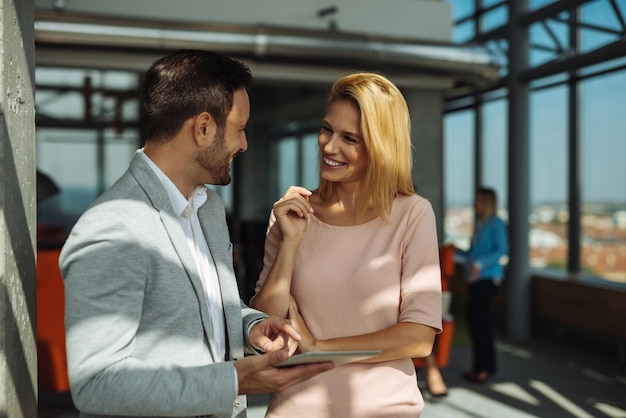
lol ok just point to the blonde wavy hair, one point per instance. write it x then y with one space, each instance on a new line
386 133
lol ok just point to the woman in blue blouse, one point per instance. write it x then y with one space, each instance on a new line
483 274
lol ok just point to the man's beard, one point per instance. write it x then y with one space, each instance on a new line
216 160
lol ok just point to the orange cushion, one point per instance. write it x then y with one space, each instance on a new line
52 363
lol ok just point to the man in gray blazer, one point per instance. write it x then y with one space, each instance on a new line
154 323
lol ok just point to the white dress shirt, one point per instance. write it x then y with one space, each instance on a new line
187 211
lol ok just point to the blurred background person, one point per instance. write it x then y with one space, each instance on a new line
483 273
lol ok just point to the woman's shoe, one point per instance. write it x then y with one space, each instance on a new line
476 377
438 395
438 390
436 386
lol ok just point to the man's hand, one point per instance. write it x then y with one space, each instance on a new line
274 333
259 374
474 272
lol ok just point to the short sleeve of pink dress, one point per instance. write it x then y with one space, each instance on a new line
356 280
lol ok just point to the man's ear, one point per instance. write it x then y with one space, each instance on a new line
204 128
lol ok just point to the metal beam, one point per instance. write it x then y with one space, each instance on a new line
467 64
550 10
606 53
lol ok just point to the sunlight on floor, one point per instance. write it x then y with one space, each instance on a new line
515 391
610 410
598 376
559 399
516 351
464 403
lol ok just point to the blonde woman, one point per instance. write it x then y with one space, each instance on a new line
354 264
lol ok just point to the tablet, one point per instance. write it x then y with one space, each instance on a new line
337 357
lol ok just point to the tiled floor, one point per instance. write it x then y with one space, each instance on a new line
536 378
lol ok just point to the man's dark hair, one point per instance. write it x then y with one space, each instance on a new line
186 83
490 198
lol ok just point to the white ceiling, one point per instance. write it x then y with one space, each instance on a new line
429 20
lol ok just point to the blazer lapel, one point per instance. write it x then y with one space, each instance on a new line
172 225
214 227
158 196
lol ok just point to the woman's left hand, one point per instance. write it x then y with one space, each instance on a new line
307 341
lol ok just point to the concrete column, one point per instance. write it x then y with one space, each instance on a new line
18 349
518 297
426 109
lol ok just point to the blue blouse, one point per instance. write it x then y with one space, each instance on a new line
489 245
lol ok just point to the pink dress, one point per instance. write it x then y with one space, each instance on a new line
352 280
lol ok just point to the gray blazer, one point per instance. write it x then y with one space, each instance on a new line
136 317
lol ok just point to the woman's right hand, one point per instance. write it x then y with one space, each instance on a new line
292 213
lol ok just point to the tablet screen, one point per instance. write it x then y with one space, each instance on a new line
337 357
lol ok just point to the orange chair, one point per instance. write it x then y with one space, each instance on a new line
443 341
51 360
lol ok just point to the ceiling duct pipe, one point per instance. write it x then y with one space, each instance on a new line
468 65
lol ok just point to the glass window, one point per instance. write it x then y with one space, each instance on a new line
603 142
604 26
537 4
461 8
84 141
494 18
459 177
67 77
541 51
604 67
464 32
488 3
603 176
54 105
119 79
310 162
288 169
499 48
69 159
548 40
118 151
296 156
548 178
494 151
546 82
